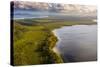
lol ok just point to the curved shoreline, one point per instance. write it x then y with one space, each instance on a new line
52 44
45 39
57 35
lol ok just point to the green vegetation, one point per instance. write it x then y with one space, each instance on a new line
34 40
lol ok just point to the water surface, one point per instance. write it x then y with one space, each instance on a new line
77 43
30 13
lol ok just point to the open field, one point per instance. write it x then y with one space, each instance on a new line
34 40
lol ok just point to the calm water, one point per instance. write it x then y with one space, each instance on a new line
29 13
77 43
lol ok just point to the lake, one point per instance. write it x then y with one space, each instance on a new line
30 13
77 43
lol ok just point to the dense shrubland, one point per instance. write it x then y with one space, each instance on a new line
34 41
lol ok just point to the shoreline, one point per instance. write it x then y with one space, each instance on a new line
55 33
54 48
47 44
51 45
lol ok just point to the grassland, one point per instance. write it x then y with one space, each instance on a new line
34 40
